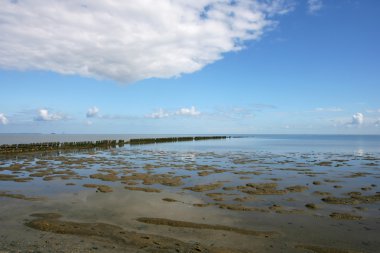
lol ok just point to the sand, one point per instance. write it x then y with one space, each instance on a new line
51 222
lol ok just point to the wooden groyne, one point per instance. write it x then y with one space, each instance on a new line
173 139
57 146
53 146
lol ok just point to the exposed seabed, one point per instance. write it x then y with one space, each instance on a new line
141 200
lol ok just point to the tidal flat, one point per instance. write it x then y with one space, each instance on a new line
160 198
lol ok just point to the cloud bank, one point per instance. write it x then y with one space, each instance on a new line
128 41
3 119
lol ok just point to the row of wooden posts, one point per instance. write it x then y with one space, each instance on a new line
51 146
173 139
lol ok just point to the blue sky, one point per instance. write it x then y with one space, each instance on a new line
246 67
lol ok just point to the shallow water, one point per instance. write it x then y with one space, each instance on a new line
256 184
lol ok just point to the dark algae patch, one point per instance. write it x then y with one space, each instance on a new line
353 200
262 189
345 216
18 196
99 187
149 179
205 187
144 189
14 178
186 224
297 188
104 188
239 207
311 206
170 200
105 177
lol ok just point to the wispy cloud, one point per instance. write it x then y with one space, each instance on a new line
261 107
328 109
159 114
45 115
94 112
117 116
88 122
373 110
314 5
234 113
129 40
3 119
240 112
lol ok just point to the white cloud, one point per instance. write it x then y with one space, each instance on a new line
92 112
328 109
357 119
314 5
161 113
129 40
44 115
3 119
192 111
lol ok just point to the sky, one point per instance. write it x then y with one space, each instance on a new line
190 67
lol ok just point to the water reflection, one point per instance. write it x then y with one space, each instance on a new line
359 152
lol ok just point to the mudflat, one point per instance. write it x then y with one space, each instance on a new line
152 200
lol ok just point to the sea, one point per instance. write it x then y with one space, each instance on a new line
277 143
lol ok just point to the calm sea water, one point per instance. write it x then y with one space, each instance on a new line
358 144
354 144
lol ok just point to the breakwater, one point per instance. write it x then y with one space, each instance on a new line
56 146
173 139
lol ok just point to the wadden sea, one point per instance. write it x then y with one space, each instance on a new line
261 193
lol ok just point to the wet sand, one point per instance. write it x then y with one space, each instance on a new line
143 200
